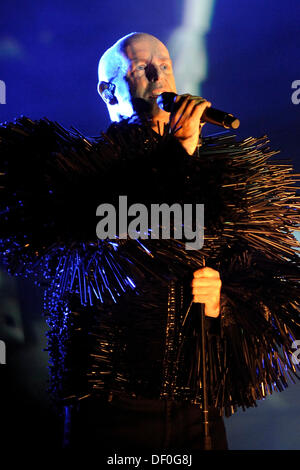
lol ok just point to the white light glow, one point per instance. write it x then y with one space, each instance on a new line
188 48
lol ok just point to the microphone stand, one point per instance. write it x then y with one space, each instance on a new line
207 437
200 312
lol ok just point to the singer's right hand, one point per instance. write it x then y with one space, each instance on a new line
206 289
186 122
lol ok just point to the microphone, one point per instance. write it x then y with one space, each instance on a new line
214 116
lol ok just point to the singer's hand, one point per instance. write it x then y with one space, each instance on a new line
185 122
206 289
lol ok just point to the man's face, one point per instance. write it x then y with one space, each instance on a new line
149 72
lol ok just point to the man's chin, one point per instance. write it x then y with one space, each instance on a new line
150 108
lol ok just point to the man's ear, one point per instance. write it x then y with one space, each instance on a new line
107 92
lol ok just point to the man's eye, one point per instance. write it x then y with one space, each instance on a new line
165 66
140 67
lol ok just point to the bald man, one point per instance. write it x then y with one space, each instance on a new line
132 74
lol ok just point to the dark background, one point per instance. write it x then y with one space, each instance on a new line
49 53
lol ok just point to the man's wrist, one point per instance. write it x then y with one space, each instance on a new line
190 147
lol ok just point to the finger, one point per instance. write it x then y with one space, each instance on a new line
193 108
188 95
179 102
200 108
203 299
174 130
181 119
207 296
187 109
185 105
206 272
182 101
180 97
206 282
212 291
214 283
201 102
177 116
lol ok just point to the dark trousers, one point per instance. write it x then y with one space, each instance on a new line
129 423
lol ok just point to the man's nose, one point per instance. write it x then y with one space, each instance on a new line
152 73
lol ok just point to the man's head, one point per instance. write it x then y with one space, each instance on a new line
132 73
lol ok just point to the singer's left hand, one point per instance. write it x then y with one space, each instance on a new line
186 122
206 289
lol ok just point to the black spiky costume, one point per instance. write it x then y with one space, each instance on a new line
119 310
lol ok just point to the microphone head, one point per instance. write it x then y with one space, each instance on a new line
166 101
